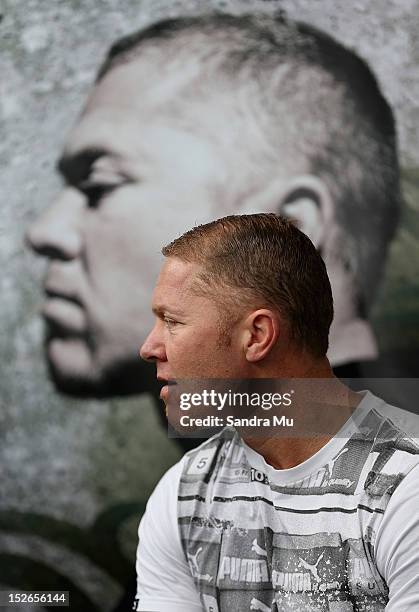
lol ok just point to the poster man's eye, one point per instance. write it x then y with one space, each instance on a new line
95 192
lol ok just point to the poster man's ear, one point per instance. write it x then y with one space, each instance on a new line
305 199
309 202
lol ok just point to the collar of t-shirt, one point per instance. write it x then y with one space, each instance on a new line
321 457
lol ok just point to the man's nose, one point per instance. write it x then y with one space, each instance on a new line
153 348
56 232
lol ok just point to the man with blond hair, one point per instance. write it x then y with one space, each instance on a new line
319 519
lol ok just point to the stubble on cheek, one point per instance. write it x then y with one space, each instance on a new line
224 327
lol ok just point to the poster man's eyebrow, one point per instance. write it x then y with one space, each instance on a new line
74 167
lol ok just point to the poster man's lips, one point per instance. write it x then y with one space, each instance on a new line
51 293
64 314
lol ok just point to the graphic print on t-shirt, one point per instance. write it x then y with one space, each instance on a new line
254 542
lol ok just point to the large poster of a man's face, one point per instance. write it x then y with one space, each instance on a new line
248 113
188 119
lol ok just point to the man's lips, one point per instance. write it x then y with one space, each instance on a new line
64 314
164 392
165 389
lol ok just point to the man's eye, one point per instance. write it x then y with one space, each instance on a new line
170 323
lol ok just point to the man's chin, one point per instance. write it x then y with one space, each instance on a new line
76 371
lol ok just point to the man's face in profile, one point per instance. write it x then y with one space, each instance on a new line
133 180
188 340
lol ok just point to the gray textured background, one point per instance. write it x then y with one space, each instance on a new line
64 462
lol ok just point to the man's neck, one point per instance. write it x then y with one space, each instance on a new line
324 400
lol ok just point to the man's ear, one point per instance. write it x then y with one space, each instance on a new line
305 199
261 333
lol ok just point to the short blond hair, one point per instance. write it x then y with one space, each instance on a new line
262 260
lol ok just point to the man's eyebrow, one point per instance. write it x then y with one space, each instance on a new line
75 167
160 310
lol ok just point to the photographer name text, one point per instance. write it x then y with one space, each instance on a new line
218 421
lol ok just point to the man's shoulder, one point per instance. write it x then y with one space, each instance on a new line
392 436
392 426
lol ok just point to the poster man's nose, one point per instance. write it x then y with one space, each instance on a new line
56 232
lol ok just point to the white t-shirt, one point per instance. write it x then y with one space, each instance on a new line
165 578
